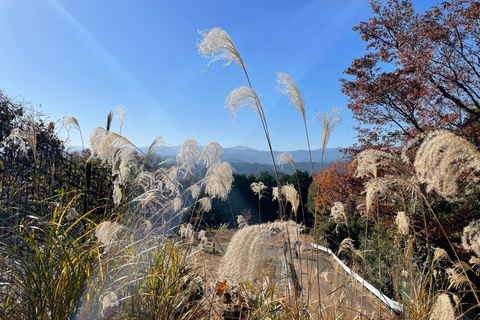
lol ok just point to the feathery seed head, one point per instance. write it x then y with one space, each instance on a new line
471 237
205 204
258 188
337 212
442 309
442 158
71 121
243 261
120 113
457 280
110 300
117 192
346 245
194 190
29 135
403 223
285 157
290 194
177 204
243 97
328 121
158 143
374 189
369 161
216 44
242 223
211 154
186 232
219 183
108 233
188 155
287 86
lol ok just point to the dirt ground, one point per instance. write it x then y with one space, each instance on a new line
319 280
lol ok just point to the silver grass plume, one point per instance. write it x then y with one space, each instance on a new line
29 135
337 212
117 192
243 97
375 189
241 222
347 246
151 199
442 158
158 143
258 188
216 44
109 301
194 190
177 203
205 204
471 237
219 183
290 194
147 180
108 233
72 121
403 223
170 179
397 175
440 254
121 111
369 161
442 309
457 280
244 260
188 154
285 157
328 121
186 232
287 86
211 154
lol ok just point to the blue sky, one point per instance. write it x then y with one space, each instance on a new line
88 57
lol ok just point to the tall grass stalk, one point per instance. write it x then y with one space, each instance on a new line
218 45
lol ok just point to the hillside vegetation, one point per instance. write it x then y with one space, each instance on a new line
118 232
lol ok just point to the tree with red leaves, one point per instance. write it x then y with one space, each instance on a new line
337 184
422 72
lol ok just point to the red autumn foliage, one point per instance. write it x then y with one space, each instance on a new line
337 183
421 72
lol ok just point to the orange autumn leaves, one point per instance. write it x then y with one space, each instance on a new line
337 184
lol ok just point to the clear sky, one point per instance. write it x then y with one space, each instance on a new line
88 57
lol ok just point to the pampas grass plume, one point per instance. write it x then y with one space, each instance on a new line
471 237
403 223
442 158
442 309
243 97
216 44
287 86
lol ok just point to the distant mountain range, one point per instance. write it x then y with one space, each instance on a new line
246 160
